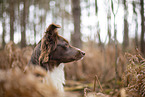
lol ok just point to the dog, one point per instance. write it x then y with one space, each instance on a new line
51 52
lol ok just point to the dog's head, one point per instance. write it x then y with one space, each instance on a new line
64 52
54 49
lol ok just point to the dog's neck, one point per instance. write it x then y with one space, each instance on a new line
50 65
57 77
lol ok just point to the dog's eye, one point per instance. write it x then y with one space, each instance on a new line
66 45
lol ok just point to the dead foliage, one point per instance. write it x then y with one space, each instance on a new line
14 83
12 56
96 62
134 77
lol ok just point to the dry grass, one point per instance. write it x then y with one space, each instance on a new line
14 83
97 62
12 56
134 78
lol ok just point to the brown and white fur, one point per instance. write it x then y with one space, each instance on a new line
51 52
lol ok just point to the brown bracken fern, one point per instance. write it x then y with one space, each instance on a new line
135 75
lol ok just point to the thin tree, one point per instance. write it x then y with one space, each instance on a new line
115 39
23 23
142 26
3 24
12 19
109 30
98 31
125 36
62 16
108 23
34 25
76 13
76 35
136 26
96 7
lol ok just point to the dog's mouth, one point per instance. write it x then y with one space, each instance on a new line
77 57
80 55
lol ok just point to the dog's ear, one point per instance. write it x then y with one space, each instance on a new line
48 43
52 28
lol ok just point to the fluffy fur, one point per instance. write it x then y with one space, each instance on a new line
48 43
57 77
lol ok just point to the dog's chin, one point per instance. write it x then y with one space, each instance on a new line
77 58
81 58
70 60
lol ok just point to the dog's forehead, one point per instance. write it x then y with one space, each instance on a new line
62 39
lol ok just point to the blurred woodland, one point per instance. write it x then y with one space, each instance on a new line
111 32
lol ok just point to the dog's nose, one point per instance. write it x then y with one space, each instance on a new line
83 53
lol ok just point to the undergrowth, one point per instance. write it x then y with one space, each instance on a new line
134 77
96 62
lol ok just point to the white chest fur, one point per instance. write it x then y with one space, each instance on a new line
57 77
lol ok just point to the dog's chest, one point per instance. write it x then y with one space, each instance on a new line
57 77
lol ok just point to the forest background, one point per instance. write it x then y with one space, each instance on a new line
104 29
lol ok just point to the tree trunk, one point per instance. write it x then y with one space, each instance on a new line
125 36
34 25
3 34
76 12
115 41
109 30
136 26
136 33
12 19
99 38
109 25
96 7
3 25
23 23
142 26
